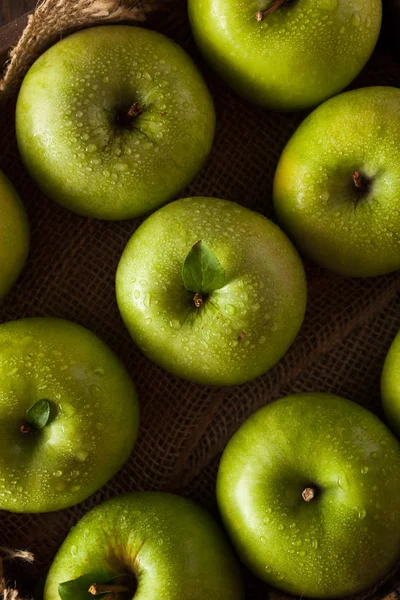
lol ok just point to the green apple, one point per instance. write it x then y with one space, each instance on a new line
114 121
337 185
286 54
160 545
309 490
211 291
390 385
68 414
14 235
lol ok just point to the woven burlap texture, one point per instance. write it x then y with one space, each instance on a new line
71 269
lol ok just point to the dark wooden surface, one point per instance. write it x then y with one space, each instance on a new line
12 9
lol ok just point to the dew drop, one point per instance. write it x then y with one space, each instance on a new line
364 470
263 539
81 455
362 514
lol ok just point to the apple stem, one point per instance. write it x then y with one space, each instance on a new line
98 588
198 300
134 110
308 494
26 429
262 14
358 180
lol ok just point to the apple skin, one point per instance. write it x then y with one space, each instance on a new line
345 539
297 57
14 235
244 328
315 198
94 421
172 546
68 134
390 385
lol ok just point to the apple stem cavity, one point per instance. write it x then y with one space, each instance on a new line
198 300
125 117
98 588
308 494
26 429
361 182
262 14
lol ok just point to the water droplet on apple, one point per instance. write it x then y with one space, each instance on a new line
315 544
364 470
105 79
230 309
368 22
148 321
106 174
81 455
356 19
280 576
263 539
266 520
57 473
281 527
342 29
362 514
91 148
268 569
302 553
94 390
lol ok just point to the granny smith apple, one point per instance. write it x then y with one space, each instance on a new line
286 54
142 546
14 235
113 121
309 490
211 291
68 414
390 385
337 185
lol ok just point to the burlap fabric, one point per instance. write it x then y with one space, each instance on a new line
70 274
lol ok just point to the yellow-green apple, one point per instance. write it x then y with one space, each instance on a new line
337 185
286 54
309 490
113 121
14 235
68 414
211 291
142 546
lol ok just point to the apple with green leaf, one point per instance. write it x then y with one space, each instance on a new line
113 121
68 414
213 292
14 235
337 184
286 54
142 546
309 491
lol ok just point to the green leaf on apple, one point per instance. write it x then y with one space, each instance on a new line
202 271
78 589
38 414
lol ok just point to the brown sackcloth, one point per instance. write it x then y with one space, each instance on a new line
70 274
